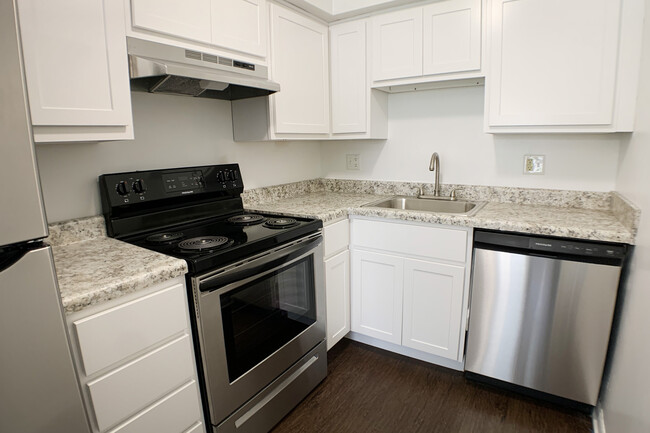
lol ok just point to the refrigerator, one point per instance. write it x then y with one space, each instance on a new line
39 390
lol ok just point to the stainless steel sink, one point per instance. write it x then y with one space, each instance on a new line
458 207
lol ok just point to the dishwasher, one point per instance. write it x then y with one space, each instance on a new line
541 313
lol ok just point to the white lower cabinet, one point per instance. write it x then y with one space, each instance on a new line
410 284
337 280
337 283
432 307
378 284
137 364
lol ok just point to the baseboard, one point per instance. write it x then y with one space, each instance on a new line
406 351
598 419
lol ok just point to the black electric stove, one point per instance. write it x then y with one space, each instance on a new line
193 213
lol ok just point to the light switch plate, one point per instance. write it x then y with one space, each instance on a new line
533 164
352 161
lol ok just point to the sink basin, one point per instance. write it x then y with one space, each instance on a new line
459 207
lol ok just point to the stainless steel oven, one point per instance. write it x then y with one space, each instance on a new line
261 328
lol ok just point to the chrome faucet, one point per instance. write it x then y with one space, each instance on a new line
434 165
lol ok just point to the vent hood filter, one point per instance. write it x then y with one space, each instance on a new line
159 68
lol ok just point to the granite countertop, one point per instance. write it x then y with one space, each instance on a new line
579 223
100 269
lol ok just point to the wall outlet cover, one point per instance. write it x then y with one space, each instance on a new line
352 161
533 164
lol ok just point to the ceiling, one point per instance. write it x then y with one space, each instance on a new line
333 10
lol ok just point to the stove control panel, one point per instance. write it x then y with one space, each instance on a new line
124 189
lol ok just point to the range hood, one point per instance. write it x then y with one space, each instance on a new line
160 68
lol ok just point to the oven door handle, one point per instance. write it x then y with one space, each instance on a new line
260 265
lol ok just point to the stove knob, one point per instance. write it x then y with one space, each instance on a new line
235 175
226 175
220 176
139 186
122 188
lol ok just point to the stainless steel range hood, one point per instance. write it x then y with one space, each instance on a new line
160 68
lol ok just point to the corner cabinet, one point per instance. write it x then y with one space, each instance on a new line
136 361
563 66
357 110
299 62
76 69
410 288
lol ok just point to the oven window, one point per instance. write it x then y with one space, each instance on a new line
263 315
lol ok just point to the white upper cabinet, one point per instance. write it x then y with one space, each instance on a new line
240 25
437 42
397 44
357 110
558 65
234 25
452 36
76 69
299 62
349 83
189 19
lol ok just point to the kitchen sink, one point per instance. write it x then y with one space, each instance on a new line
459 207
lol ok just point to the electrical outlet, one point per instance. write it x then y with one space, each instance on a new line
352 161
533 164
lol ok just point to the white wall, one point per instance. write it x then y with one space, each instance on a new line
450 122
626 399
170 131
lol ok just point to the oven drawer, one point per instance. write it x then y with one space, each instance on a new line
117 333
139 383
177 413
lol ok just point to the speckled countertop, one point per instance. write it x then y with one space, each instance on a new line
579 223
93 268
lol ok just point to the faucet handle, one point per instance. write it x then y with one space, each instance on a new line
452 194
420 191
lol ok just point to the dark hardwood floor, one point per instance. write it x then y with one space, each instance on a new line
371 390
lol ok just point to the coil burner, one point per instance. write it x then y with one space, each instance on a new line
246 219
165 238
280 223
204 244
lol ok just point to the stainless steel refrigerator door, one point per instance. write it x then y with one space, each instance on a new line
39 390
541 323
22 214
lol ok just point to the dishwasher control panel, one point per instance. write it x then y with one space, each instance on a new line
579 248
551 245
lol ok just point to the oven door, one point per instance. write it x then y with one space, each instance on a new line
257 318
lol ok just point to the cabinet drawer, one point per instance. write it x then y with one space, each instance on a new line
139 383
114 334
336 237
422 241
176 413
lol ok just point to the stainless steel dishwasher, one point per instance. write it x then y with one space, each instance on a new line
541 313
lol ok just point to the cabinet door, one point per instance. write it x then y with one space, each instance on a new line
397 44
337 291
189 19
75 62
433 299
377 286
240 25
349 78
299 63
553 62
452 36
